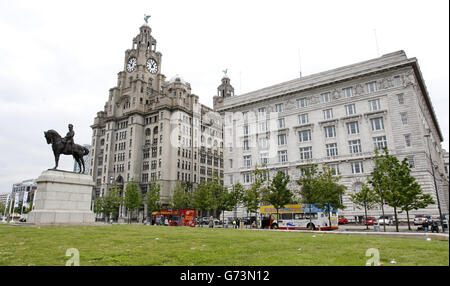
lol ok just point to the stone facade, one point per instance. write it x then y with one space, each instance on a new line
152 130
337 118
63 198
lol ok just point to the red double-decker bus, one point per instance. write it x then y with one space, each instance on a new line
182 217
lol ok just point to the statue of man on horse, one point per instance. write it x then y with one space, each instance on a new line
66 146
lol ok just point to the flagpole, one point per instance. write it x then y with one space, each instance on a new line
9 212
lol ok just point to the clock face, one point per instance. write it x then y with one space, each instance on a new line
131 64
152 66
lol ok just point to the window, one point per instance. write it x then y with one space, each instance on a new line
350 109
401 99
408 140
262 126
231 179
334 169
348 92
371 86
303 118
247 178
330 131
354 146
379 142
264 158
282 139
306 153
279 107
411 161
304 135
326 97
302 102
245 115
282 156
397 80
377 123
357 167
263 143
262 113
246 145
374 105
404 117
231 163
352 127
281 123
247 161
245 129
332 149
328 113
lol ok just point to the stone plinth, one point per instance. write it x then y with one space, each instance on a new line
63 198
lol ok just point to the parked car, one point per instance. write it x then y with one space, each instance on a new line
217 221
420 219
342 220
205 220
370 220
388 220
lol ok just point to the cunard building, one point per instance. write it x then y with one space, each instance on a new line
337 118
153 130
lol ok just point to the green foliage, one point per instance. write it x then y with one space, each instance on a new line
181 198
152 198
235 196
112 201
277 193
307 183
133 199
252 196
99 206
366 198
202 197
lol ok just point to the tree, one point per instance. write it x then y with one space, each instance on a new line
366 198
99 207
379 179
329 191
112 201
307 183
181 198
253 195
277 193
133 199
202 197
220 196
152 200
235 196
412 197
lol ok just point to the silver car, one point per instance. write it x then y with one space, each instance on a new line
388 220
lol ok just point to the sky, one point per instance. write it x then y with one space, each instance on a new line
60 58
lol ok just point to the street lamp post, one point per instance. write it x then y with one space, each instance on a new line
435 184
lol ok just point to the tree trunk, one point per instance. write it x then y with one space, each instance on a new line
365 213
396 220
407 218
329 216
382 211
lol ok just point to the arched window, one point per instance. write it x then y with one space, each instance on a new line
147 132
155 130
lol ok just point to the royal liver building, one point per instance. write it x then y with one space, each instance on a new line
337 118
152 130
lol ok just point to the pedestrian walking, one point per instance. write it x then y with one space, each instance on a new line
234 223
425 225
211 222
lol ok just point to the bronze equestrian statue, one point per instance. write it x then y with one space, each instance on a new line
66 146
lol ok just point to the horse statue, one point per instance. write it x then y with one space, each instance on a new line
58 147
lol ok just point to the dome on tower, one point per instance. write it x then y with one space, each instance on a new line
177 79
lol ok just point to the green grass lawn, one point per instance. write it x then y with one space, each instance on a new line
185 246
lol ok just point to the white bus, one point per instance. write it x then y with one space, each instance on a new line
293 217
